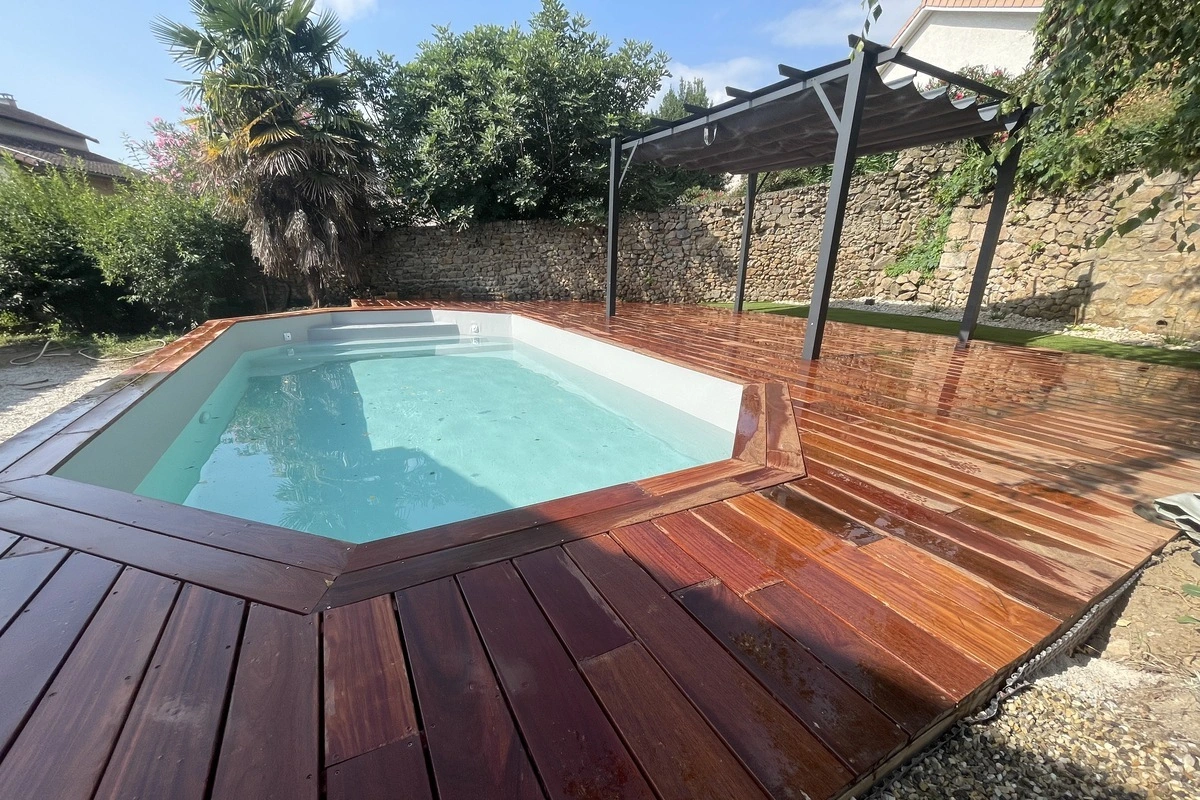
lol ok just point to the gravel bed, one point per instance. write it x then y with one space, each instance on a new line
1009 320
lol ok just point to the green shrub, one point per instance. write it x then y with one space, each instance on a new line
47 274
170 252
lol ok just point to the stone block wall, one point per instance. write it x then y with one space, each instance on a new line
688 254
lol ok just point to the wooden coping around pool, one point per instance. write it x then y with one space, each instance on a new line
900 526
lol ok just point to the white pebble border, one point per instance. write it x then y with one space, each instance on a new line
1009 320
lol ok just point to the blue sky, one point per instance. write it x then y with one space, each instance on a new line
96 68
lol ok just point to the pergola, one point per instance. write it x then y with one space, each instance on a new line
832 114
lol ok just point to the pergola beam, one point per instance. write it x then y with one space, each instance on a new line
835 205
1006 176
744 252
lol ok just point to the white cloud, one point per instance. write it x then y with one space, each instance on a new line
744 72
347 9
828 22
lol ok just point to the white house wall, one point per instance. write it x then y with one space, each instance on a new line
957 39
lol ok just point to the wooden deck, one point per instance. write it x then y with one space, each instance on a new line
901 526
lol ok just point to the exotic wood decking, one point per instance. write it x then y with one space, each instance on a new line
902 524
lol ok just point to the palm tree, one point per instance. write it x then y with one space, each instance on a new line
287 148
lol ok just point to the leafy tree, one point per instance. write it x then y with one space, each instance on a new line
286 144
507 123
688 92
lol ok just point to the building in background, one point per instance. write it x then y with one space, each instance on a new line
961 33
39 143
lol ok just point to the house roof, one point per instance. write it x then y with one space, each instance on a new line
29 118
788 124
963 5
39 154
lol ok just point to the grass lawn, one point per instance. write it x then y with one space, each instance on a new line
990 333
103 345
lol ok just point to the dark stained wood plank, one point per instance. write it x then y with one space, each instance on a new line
895 687
576 751
16 447
473 743
271 745
784 756
663 559
37 641
286 546
736 569
365 583
55 756
587 625
7 540
26 547
387 773
953 670
45 456
269 582
782 440
683 757
692 476
368 703
20 578
167 746
750 441
844 720
467 531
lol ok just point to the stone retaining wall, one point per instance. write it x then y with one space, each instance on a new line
688 254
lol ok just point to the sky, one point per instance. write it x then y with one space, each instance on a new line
95 67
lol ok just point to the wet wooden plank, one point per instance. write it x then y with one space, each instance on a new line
168 743
956 672
37 641
271 745
792 497
54 755
663 559
269 582
1012 575
393 771
782 440
576 750
750 441
960 618
894 686
680 753
368 703
777 749
472 740
587 625
849 725
20 578
736 568
192 524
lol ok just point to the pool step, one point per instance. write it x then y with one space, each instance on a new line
382 331
308 355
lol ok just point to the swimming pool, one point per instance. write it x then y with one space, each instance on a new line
368 425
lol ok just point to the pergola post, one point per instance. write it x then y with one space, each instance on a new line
744 254
835 206
1006 176
614 220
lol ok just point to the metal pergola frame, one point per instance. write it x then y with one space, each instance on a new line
848 125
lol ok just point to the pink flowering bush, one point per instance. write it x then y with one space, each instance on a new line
175 152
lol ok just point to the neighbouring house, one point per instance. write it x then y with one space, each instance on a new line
39 143
961 33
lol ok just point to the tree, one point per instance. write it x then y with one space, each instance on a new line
286 146
506 123
688 93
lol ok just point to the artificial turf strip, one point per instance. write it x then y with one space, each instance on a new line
989 333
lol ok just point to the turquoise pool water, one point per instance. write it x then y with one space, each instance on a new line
360 442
